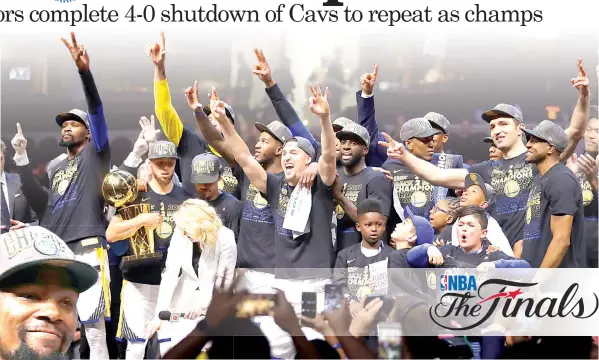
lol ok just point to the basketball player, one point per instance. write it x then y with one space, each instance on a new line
40 284
142 283
73 209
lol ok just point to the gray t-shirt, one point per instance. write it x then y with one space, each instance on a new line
511 179
313 250
556 193
411 191
367 184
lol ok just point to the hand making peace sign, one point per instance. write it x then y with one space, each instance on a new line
78 53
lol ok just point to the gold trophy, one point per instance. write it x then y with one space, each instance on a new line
119 189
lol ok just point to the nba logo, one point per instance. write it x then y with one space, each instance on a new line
443 283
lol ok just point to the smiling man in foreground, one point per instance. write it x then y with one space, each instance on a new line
40 283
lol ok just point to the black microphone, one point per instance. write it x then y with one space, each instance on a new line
170 317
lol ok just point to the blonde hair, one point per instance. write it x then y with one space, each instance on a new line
199 220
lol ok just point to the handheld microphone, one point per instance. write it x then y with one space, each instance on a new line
170 317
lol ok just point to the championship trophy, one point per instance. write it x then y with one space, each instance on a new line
119 189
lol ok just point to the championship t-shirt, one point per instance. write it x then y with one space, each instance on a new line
589 201
367 184
410 190
511 180
76 202
556 193
312 250
229 210
362 275
191 145
166 205
256 242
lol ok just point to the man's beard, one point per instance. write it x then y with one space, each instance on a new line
266 162
26 352
355 160
69 144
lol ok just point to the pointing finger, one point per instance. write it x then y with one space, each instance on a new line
74 40
376 70
162 40
19 130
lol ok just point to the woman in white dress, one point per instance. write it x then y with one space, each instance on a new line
202 251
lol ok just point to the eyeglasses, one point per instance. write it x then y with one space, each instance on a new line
436 208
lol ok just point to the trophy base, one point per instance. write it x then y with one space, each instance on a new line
134 261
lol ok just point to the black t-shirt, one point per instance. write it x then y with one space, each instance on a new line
166 205
256 242
367 184
313 250
558 193
511 181
362 275
411 191
229 210
455 257
191 145
589 201
405 281
76 202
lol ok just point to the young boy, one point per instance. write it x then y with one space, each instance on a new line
442 217
477 193
413 231
362 268
472 228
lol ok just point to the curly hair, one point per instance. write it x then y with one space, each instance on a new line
198 220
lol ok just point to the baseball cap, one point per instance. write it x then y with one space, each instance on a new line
488 140
424 231
476 179
25 250
550 132
417 128
352 131
228 111
275 129
340 123
303 144
75 115
205 169
503 110
162 149
439 120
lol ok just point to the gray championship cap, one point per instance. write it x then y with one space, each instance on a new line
502 111
205 169
276 129
476 179
354 131
75 115
228 111
162 149
340 123
417 128
439 120
305 145
550 132
23 252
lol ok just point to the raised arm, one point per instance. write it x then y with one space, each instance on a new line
213 136
34 192
167 115
284 109
580 116
377 154
252 168
319 105
449 178
97 122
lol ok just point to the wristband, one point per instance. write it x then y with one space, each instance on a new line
337 346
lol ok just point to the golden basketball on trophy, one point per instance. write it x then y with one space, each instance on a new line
119 189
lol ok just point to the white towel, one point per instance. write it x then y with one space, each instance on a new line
297 216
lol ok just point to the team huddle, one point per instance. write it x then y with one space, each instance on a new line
296 214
